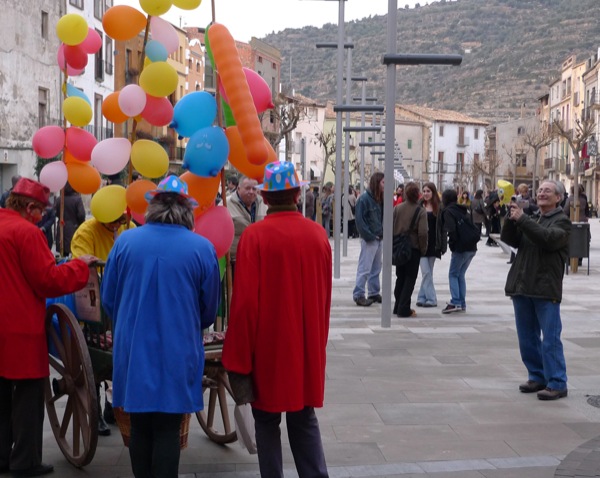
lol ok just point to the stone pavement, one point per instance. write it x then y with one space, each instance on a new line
432 396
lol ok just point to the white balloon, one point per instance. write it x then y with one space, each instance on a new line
111 155
54 175
163 32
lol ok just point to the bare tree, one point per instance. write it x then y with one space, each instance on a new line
489 167
513 152
537 139
287 112
327 142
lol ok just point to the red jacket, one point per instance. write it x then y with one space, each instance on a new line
279 321
28 275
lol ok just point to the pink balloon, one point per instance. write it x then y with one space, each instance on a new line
261 93
158 111
111 155
54 175
76 57
80 143
132 100
217 226
60 59
139 218
92 42
48 141
164 32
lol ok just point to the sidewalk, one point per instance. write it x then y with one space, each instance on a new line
432 396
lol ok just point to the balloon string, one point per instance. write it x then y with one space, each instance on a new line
61 210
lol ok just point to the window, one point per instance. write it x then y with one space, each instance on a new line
98 133
521 130
180 54
461 135
409 144
441 130
44 25
476 133
274 66
98 63
460 162
197 67
476 159
190 64
42 107
209 80
260 59
108 52
77 3
441 165
98 9
521 159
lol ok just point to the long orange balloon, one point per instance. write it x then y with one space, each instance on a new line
229 66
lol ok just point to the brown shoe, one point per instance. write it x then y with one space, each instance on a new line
363 301
552 394
531 386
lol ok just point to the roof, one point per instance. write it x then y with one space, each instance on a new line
447 116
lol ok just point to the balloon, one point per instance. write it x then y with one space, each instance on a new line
77 111
261 93
72 29
62 62
207 46
206 152
216 225
135 195
73 91
76 57
149 158
111 155
158 111
122 22
187 4
83 178
227 114
139 218
48 141
234 81
505 191
147 61
132 100
156 51
203 190
108 203
159 79
194 111
165 33
111 110
80 143
156 7
54 175
237 155
92 43
222 266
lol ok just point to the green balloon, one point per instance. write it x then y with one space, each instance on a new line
227 114
208 50
222 266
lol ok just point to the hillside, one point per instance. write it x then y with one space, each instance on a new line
511 50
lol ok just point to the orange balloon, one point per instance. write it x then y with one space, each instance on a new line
84 179
233 79
111 110
203 190
238 159
134 195
69 158
123 23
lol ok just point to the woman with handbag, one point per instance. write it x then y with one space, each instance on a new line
411 219
430 201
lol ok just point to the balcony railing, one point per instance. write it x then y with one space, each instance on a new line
463 142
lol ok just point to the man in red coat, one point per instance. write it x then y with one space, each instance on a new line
28 274
279 324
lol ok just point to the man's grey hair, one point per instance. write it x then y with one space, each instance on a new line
171 208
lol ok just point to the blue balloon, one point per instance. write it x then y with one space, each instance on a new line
156 51
206 152
193 112
73 91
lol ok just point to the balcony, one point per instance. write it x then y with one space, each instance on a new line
463 142
549 164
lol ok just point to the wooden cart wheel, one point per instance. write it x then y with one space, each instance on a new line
217 395
71 397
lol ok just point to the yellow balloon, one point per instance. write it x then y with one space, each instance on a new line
505 191
156 7
77 111
149 158
109 203
147 62
159 79
72 29
187 4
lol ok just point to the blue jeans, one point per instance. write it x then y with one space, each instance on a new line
538 328
427 291
369 267
459 263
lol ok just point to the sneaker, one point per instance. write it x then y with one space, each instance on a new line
552 394
450 308
531 386
420 304
376 298
363 301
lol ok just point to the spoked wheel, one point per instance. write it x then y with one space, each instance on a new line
71 397
217 397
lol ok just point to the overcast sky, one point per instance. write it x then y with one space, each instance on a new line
248 18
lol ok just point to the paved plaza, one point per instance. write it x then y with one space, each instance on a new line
432 396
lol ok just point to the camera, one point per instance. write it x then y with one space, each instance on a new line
513 198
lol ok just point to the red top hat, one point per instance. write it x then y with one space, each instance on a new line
34 190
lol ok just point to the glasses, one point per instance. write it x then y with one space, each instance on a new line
546 191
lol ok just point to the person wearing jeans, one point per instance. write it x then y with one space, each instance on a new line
534 283
430 201
459 263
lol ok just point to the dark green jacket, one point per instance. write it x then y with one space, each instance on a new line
543 249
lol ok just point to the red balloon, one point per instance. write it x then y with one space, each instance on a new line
217 226
80 143
76 57
62 62
92 43
158 111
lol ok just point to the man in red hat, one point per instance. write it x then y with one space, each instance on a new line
279 323
28 274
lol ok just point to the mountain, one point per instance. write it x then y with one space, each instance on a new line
511 50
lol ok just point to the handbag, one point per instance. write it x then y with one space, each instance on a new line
244 427
402 245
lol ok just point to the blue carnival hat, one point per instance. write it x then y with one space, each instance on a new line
280 176
172 184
